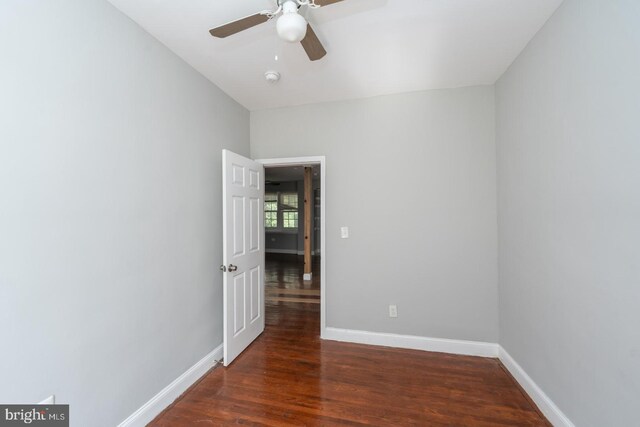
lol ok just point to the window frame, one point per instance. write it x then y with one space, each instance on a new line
280 210
267 228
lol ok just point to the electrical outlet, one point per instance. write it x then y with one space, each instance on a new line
393 310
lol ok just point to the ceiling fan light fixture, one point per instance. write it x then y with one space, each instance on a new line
291 26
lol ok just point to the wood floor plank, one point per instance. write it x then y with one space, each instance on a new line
289 377
292 299
278 291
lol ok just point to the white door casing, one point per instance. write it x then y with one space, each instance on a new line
243 252
310 161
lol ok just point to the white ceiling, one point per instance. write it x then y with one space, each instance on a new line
375 47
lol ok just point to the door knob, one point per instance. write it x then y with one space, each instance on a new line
223 268
232 267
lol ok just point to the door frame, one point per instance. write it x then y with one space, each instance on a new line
308 161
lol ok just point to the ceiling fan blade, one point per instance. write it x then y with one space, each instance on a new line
240 25
312 45
326 2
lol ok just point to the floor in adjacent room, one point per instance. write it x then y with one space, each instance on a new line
288 376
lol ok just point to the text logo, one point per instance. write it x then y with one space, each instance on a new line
34 415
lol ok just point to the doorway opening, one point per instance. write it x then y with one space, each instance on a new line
294 240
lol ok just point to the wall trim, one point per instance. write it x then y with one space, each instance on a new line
462 347
289 251
440 345
147 412
158 403
313 160
51 400
284 251
544 402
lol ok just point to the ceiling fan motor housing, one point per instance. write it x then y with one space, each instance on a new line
291 26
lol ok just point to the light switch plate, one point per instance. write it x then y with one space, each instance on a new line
393 310
344 232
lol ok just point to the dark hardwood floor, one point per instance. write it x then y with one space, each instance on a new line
283 279
288 376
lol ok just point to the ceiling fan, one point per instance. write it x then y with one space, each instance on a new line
291 26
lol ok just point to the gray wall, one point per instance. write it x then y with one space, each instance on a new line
413 176
110 216
568 141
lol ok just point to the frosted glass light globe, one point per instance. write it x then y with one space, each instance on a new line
291 27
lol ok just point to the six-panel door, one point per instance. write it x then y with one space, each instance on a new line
243 252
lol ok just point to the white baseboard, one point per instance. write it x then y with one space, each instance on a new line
51 400
440 345
147 412
469 348
544 402
284 251
289 252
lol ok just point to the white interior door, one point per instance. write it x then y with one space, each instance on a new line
243 252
